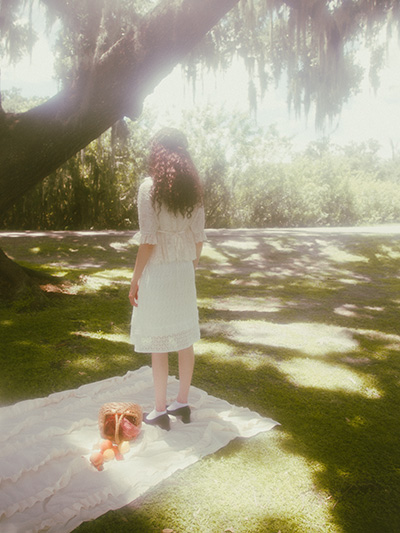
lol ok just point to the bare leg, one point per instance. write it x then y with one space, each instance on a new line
186 365
159 363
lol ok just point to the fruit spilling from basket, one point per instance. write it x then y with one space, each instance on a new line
109 451
119 423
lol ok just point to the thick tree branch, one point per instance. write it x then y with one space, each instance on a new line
34 144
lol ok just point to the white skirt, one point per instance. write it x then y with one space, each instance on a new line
166 318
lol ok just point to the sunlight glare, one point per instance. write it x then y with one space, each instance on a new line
89 363
310 338
346 310
340 256
238 303
388 252
120 246
104 279
213 348
319 374
349 281
114 273
112 337
210 252
242 245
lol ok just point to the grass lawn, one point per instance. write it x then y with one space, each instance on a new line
299 325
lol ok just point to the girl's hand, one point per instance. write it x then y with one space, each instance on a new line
134 294
142 257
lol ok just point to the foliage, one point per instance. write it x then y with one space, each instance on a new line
336 188
14 102
311 41
252 178
17 36
97 188
89 29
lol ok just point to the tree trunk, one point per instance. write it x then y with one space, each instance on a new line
18 282
35 143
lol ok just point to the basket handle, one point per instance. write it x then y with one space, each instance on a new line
118 419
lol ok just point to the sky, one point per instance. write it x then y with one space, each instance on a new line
366 116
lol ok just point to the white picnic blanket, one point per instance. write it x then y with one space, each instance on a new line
46 480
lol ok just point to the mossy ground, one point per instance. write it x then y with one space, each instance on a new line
300 325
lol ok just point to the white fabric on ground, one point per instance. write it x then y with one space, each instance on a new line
46 480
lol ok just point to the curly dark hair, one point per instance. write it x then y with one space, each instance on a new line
176 183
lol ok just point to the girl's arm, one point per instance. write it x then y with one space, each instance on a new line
199 247
143 255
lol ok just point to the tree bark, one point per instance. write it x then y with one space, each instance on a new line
21 282
15 280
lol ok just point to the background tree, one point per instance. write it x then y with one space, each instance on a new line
112 54
252 177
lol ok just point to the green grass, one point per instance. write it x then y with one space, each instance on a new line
301 326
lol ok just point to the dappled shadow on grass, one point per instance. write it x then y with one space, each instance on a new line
346 432
40 367
350 277
69 249
75 340
159 510
338 406
300 326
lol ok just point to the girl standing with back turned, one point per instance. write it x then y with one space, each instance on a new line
163 291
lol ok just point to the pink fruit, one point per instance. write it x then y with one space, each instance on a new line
97 459
124 447
108 455
105 445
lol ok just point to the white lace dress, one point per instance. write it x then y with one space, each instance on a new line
166 318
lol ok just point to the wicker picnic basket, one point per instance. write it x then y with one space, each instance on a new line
119 421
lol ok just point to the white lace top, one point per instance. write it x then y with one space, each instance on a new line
175 236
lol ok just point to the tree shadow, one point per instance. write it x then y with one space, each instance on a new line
300 326
334 285
346 432
69 250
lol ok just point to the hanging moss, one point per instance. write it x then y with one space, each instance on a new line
308 40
